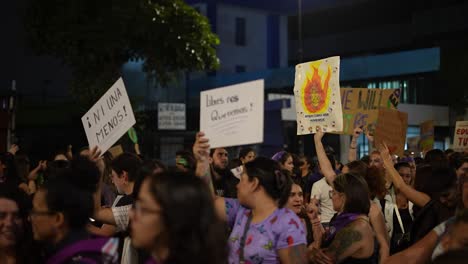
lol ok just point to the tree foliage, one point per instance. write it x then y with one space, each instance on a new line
95 38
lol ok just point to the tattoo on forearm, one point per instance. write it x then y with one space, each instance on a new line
298 254
343 240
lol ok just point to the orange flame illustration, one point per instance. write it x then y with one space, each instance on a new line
315 94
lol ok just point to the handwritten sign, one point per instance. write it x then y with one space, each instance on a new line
233 115
391 129
109 118
460 140
171 116
361 105
413 143
116 150
427 135
317 94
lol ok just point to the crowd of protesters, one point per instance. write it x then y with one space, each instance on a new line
92 207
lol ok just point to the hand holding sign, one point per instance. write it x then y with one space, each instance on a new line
385 154
233 115
109 118
201 148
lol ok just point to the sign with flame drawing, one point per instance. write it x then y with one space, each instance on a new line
317 93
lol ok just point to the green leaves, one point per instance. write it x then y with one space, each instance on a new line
95 38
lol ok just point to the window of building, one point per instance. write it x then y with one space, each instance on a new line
240 68
240 31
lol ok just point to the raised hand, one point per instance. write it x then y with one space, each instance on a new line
313 210
69 152
319 135
385 154
370 137
357 132
13 149
201 147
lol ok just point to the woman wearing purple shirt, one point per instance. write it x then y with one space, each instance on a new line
262 230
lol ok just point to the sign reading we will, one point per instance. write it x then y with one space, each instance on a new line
460 140
361 106
233 115
109 118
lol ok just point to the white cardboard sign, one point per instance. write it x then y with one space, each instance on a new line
109 118
460 138
233 115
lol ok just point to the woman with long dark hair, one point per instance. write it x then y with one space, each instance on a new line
350 238
263 231
175 222
15 230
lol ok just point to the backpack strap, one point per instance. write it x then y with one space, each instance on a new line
102 245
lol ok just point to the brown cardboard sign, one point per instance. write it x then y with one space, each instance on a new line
361 105
391 129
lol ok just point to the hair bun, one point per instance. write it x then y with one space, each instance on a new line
281 179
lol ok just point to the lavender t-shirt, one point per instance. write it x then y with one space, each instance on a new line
282 229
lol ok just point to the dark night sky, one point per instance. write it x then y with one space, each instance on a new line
34 75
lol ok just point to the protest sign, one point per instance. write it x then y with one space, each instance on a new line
391 129
460 139
413 143
361 105
171 116
233 115
427 135
317 94
109 118
116 150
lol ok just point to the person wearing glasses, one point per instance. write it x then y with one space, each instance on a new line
174 221
350 238
61 211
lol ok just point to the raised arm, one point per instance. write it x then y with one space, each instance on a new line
101 214
352 153
418 198
201 152
325 165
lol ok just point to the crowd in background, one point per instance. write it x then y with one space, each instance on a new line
91 207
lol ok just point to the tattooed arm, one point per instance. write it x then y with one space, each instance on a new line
348 241
293 255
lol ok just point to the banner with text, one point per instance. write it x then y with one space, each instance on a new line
317 94
361 106
391 129
460 140
109 118
233 115
426 142
171 116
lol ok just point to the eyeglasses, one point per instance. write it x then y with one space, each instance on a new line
332 192
140 210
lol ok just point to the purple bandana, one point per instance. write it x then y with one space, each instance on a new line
339 222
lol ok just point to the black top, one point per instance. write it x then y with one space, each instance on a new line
225 186
405 218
